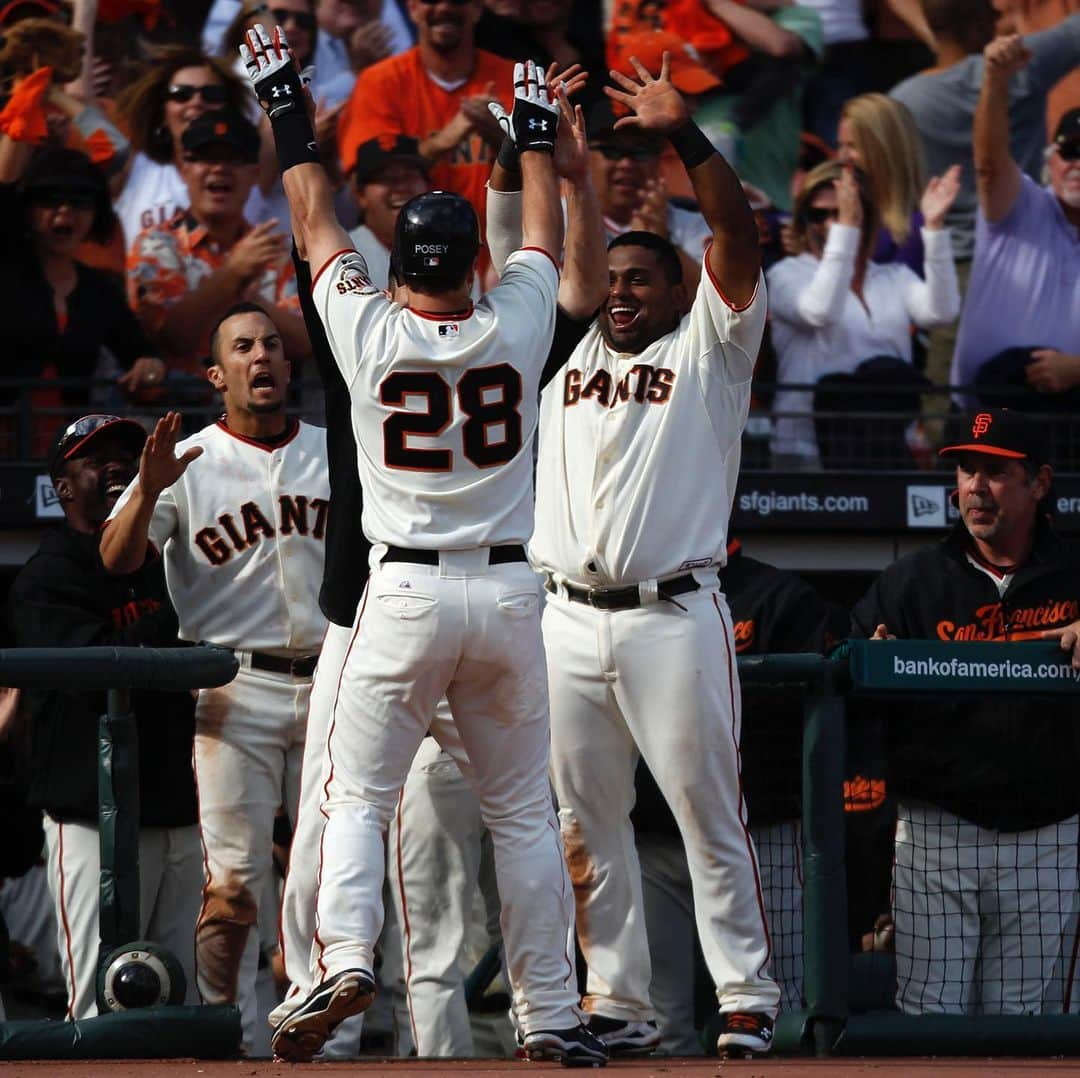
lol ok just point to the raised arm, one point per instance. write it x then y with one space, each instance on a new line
997 175
532 127
124 540
286 101
734 257
584 284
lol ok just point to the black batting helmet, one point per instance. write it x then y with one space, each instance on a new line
436 239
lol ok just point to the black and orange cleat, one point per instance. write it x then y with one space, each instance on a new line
744 1034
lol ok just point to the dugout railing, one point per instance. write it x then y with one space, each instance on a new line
155 1031
892 671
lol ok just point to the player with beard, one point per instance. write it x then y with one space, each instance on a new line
437 93
239 518
63 598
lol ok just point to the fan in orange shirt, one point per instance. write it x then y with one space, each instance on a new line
436 93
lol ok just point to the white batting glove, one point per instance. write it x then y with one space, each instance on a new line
274 78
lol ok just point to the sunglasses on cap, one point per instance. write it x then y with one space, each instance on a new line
78 430
819 215
182 93
1069 150
614 151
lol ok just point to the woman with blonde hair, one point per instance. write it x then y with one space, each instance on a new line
878 136
833 310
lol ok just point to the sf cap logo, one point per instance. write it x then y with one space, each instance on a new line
981 424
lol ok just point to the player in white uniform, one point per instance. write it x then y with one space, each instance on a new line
240 518
639 454
444 411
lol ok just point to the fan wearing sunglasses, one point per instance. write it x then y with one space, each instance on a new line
57 312
832 308
625 167
1023 292
178 86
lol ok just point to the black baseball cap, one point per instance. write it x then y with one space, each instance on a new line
998 433
383 150
76 438
227 126
1068 127
57 168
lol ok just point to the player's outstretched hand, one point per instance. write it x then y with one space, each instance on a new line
572 146
1069 639
159 466
655 103
535 118
272 71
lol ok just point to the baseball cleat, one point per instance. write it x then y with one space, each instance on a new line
301 1036
575 1047
744 1034
624 1038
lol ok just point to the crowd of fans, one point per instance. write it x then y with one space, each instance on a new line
885 209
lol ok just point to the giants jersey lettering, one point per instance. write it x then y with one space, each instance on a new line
241 532
639 454
444 407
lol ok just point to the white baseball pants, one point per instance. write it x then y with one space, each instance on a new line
660 681
170 878
249 738
438 854
471 632
980 914
298 896
669 920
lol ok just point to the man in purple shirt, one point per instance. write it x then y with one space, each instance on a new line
1024 292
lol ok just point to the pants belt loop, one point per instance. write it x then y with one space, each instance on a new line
648 592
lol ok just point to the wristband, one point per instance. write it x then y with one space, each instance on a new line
294 139
508 157
691 144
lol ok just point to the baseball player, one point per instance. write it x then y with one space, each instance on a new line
985 872
240 519
631 532
444 411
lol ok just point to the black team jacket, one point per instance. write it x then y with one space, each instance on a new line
63 597
1007 763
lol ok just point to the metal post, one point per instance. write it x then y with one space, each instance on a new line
825 973
118 822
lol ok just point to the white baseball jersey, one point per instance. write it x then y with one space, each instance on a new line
639 454
444 407
242 532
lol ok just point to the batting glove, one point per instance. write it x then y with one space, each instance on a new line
277 84
533 123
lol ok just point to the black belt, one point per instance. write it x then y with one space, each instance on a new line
278 664
626 598
497 555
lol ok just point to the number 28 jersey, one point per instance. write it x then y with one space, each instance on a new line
444 406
